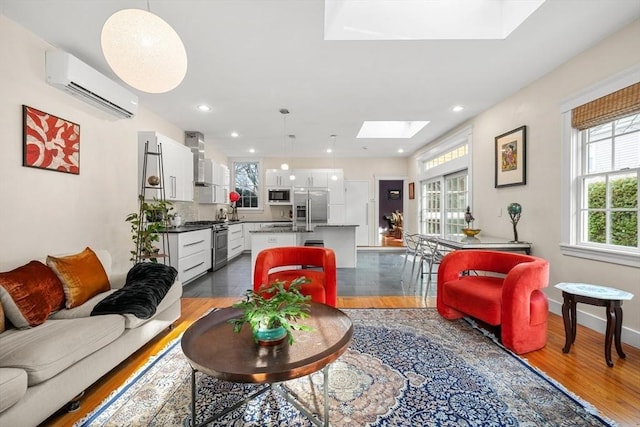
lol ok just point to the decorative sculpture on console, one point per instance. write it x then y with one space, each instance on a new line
515 210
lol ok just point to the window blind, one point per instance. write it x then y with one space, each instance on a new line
616 105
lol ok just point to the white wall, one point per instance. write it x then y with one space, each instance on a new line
44 212
537 107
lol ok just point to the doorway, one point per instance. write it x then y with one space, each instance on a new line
389 214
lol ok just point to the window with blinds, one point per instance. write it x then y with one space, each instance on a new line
609 168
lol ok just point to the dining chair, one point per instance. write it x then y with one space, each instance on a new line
411 244
431 254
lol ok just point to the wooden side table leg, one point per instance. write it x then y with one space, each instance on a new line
617 335
569 320
611 324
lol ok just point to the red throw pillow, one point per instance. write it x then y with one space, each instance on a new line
30 293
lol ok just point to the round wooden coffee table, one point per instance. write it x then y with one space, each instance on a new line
212 347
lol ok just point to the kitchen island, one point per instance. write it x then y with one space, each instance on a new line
340 238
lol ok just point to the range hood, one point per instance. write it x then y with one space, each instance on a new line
195 141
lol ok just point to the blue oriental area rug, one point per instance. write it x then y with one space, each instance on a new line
405 367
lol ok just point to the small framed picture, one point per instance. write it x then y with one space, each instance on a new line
393 195
511 158
412 190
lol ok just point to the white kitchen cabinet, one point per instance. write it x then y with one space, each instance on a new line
236 240
277 178
337 214
317 178
218 192
190 253
177 162
248 227
336 187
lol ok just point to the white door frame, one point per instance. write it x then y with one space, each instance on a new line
375 235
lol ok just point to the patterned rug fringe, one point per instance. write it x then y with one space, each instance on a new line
580 401
114 395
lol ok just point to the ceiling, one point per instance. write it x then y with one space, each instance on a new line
250 58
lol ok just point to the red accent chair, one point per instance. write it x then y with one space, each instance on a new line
323 286
512 298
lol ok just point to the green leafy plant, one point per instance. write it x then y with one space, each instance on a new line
146 226
274 306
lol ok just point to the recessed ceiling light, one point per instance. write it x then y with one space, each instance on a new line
204 107
457 108
329 150
234 134
252 150
400 150
390 129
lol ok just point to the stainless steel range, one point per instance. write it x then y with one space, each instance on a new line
219 239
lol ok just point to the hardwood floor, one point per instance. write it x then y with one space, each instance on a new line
615 392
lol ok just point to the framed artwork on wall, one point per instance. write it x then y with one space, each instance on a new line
50 142
412 190
511 158
393 195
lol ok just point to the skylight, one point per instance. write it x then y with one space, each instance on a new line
424 19
390 129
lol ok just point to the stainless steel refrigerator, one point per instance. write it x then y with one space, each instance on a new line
310 207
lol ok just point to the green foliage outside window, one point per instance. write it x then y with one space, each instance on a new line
624 224
247 183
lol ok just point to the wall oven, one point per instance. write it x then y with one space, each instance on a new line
279 196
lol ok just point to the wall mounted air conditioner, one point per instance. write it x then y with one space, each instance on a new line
68 73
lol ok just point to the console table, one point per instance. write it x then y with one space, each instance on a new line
600 296
459 242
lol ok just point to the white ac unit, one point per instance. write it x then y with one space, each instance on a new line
68 73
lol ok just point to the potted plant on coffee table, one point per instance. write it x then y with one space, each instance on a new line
273 312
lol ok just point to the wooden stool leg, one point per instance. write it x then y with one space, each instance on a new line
618 331
568 316
611 325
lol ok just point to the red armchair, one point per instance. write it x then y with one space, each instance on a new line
512 298
322 288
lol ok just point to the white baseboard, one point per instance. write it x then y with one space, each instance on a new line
629 336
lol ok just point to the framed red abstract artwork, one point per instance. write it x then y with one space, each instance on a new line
50 142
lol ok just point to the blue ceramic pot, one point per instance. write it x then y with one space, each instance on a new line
272 336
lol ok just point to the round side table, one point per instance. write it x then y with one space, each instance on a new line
600 296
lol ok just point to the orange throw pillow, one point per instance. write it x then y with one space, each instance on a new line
82 276
29 294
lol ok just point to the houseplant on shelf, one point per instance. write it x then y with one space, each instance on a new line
273 311
146 226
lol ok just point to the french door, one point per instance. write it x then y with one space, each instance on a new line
443 201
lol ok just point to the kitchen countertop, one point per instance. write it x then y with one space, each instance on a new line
298 229
281 230
187 228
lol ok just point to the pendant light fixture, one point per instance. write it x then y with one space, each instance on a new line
292 175
334 176
284 166
143 50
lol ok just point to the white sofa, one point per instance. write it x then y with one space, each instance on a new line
45 367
